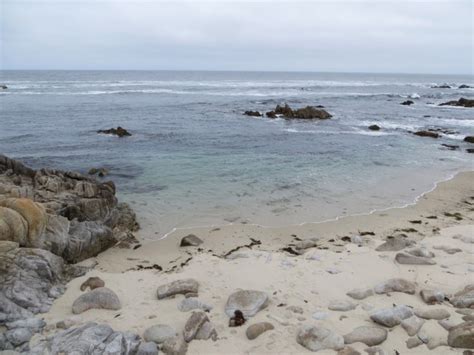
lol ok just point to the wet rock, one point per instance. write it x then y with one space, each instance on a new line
395 285
342 306
92 283
368 335
255 330
428 134
464 298
464 86
271 114
100 298
253 113
316 338
177 287
188 304
148 348
374 127
91 338
308 112
190 241
412 325
408 259
432 313
407 103
159 333
249 302
469 139
119 131
395 244
360 293
442 86
390 317
462 336
461 102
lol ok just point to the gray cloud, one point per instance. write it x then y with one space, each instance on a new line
382 36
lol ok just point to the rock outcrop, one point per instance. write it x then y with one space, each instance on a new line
119 131
461 102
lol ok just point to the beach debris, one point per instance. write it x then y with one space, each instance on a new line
395 285
317 338
407 259
237 319
159 333
178 287
461 102
464 298
249 302
190 241
374 127
255 330
462 336
100 298
93 283
366 334
390 317
412 325
432 296
119 131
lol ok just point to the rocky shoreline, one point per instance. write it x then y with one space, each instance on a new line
395 282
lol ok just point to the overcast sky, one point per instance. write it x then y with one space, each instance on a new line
364 36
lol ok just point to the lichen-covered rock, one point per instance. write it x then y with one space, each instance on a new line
177 287
249 302
89 339
316 338
100 298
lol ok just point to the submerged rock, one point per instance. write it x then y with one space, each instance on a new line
119 131
429 134
253 113
469 139
407 103
249 302
374 127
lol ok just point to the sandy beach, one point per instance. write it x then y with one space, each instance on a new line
300 287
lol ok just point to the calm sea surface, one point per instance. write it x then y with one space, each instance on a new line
195 160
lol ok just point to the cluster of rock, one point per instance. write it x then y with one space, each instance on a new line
461 102
49 219
308 112
447 86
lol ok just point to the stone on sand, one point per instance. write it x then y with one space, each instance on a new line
193 325
188 304
412 325
255 330
391 317
464 298
432 313
408 259
177 287
395 285
249 302
462 336
366 334
190 241
317 338
432 296
395 244
101 298
148 348
342 306
159 333
360 293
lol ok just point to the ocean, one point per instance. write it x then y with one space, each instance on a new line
194 159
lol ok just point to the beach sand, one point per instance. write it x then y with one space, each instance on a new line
311 281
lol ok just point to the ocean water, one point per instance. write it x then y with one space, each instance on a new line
194 159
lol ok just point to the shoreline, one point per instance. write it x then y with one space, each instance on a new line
414 202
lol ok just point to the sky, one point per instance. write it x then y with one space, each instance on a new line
405 36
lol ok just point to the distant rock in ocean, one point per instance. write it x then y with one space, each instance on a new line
461 102
407 103
119 131
308 112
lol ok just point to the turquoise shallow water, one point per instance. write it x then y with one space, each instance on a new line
194 159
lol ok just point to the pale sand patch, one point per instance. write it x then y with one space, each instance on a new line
297 281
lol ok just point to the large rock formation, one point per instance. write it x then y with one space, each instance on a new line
49 218
461 102
308 112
